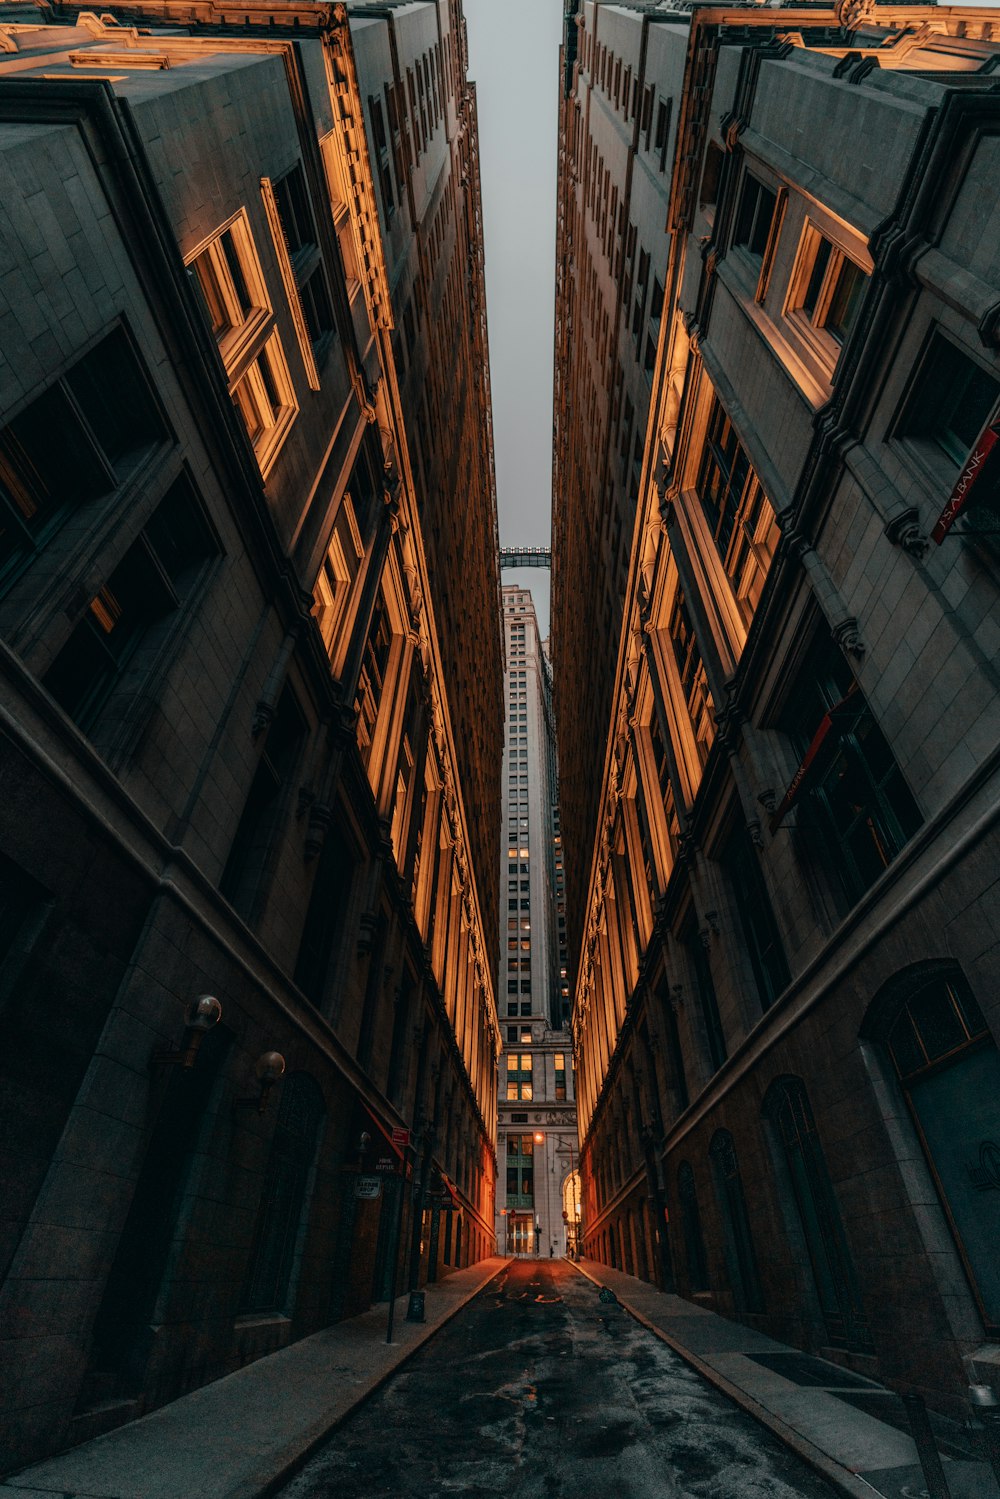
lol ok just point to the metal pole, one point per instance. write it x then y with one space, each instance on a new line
397 1229
923 1436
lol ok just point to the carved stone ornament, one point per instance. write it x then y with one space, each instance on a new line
848 636
319 821
851 14
262 716
904 531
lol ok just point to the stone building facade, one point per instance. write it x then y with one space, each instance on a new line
785 1008
536 1132
246 918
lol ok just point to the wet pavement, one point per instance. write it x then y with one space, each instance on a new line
538 1390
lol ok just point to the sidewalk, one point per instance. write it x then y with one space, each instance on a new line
242 1436
850 1429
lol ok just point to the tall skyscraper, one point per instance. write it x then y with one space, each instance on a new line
779 742
251 688
536 1113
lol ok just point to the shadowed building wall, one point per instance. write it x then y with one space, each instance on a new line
785 958
235 744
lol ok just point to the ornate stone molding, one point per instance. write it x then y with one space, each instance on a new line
848 636
903 530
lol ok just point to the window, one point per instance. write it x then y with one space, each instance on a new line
826 287
337 575
737 510
227 274
708 1004
857 811
951 403
106 422
265 804
709 193
787 1108
520 1170
382 157
754 217
948 1068
559 1062
343 226
693 677
694 1243
519 1074
374 662
662 134
283 1197
299 228
741 1260
98 676
755 914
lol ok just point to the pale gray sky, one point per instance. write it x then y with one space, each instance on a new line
514 60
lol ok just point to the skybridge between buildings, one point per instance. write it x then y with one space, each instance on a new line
526 557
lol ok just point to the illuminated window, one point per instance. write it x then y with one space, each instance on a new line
227 274
825 292
738 511
559 1062
373 668
519 1073
693 677
337 574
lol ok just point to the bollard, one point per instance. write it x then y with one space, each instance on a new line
923 1436
986 1423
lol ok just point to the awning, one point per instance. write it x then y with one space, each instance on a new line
848 707
387 1153
972 473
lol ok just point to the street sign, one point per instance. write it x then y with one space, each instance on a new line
368 1188
401 1138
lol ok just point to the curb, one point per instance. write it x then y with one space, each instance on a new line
842 1479
265 1488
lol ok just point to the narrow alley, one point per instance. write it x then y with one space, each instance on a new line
541 1389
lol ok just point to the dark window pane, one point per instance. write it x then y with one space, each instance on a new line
85 670
953 400
816 275
756 917
47 464
116 402
293 210
845 300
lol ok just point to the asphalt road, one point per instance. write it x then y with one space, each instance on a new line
538 1390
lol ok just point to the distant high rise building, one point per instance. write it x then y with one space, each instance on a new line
777 397
536 1112
251 686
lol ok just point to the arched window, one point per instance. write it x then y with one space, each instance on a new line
787 1107
286 1180
740 1256
949 1070
694 1243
